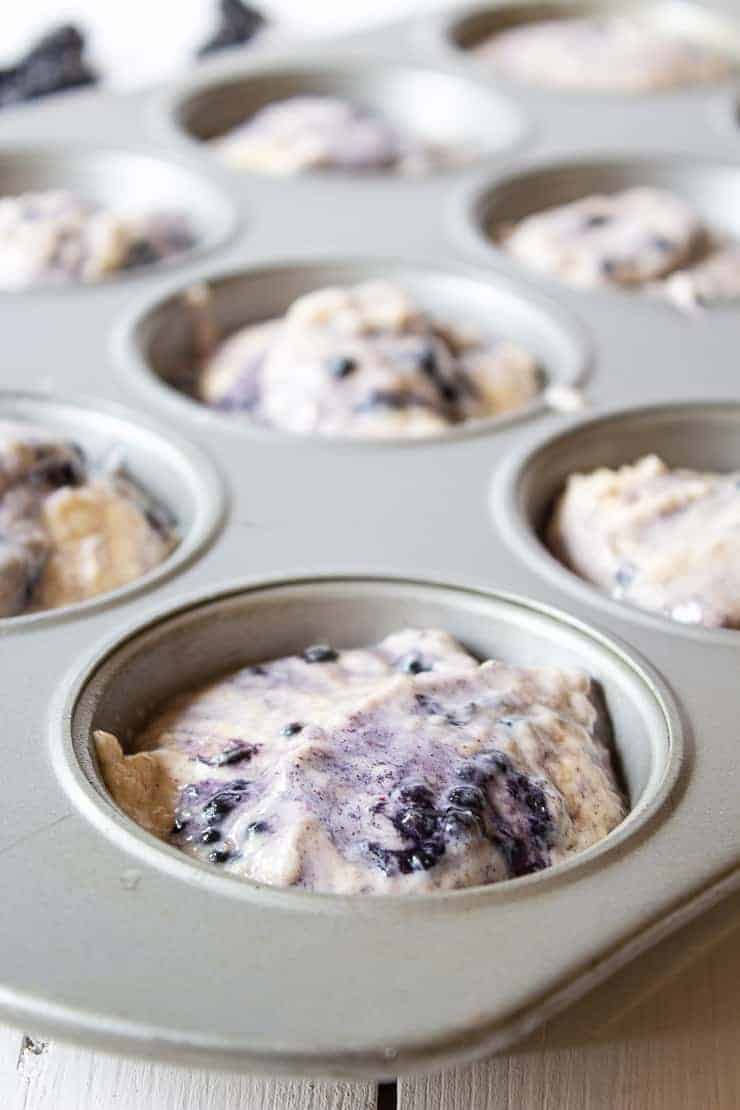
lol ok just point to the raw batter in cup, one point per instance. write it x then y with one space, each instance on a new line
57 237
68 532
607 53
402 768
665 540
366 361
304 133
644 238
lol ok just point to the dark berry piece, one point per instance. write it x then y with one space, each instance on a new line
236 752
210 836
624 575
661 243
219 855
609 266
141 253
53 64
320 653
258 827
417 793
178 825
291 729
416 823
428 361
597 221
468 797
457 821
421 859
413 664
385 399
342 366
238 23
257 670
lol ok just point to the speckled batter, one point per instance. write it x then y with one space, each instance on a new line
366 361
68 533
665 540
641 238
305 133
620 53
58 237
628 238
403 768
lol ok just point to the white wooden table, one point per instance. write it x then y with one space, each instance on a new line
662 1035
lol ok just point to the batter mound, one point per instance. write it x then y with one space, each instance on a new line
365 361
628 238
665 540
58 237
67 534
304 133
403 768
620 53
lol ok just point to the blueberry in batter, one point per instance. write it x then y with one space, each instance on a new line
386 779
365 361
68 531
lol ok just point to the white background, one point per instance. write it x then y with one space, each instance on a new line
136 42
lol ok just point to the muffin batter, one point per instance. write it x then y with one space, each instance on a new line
641 238
58 237
617 53
304 133
665 540
626 238
365 361
403 768
67 533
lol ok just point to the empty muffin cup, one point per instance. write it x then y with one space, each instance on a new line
158 484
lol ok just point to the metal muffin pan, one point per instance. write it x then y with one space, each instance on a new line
110 937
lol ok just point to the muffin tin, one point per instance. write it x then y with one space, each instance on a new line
109 936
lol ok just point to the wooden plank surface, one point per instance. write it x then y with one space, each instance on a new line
664 1034
35 1075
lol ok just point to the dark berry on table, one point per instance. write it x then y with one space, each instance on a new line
291 729
320 653
238 23
219 855
237 751
342 366
54 63
210 836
